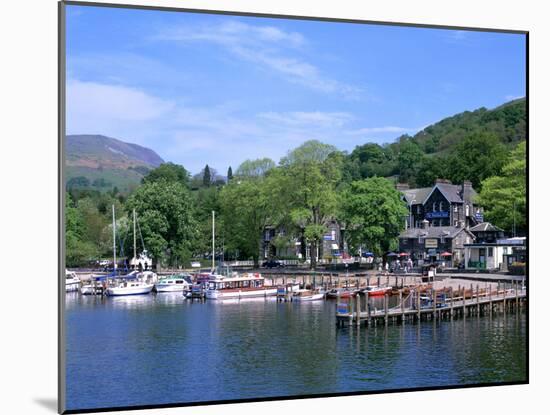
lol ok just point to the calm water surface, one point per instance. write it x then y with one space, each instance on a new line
162 348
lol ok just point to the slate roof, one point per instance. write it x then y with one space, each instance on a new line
486 227
450 191
432 232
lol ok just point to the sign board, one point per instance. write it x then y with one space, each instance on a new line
479 216
431 243
342 308
435 215
327 237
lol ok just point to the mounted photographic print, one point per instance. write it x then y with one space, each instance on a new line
261 207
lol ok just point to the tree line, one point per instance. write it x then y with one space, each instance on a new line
313 184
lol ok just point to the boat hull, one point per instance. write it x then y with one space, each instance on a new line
314 297
117 291
72 286
223 294
171 288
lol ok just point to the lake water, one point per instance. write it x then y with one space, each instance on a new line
160 349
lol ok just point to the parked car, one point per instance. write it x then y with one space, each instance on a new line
273 263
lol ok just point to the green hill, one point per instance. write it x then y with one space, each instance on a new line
507 121
102 163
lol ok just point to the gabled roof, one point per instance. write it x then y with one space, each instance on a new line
416 196
486 227
433 232
451 192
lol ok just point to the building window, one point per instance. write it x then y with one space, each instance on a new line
435 222
441 206
434 207
490 252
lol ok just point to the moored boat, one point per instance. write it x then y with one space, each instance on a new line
375 291
129 285
174 283
72 282
308 295
341 293
247 285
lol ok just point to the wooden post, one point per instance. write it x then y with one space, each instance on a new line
418 304
368 307
517 296
402 306
463 302
357 309
386 308
477 298
434 303
452 302
490 301
378 281
387 281
504 299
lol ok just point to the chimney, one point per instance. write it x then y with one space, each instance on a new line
467 191
402 186
425 224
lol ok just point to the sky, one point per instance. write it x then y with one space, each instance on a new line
215 89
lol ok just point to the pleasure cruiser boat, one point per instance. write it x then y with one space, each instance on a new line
308 295
174 283
244 286
72 282
130 284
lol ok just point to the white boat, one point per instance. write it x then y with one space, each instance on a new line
173 283
129 285
96 285
72 282
308 295
244 286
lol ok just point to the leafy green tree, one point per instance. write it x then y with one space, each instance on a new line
255 168
77 251
307 190
431 168
476 158
167 219
504 196
229 173
206 178
409 159
169 172
374 214
246 209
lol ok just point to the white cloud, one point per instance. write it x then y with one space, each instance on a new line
309 119
268 47
104 101
387 129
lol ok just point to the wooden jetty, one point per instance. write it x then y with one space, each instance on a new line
431 305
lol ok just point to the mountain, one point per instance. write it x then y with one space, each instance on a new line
101 163
507 121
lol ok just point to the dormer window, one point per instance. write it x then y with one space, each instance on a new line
441 206
434 207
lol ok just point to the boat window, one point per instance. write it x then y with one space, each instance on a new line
179 282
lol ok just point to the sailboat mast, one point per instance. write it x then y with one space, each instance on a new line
114 240
213 238
135 257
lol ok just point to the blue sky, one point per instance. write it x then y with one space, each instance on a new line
217 89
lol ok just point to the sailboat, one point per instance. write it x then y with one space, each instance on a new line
132 283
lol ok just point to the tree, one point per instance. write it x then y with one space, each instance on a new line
246 209
77 250
167 219
477 157
307 190
504 196
255 168
206 178
374 214
169 172
409 158
229 173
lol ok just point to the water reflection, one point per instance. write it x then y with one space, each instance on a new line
164 348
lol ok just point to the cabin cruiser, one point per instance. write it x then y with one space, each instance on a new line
174 283
131 284
243 286
72 282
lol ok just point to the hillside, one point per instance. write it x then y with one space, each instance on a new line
507 121
101 163
471 145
